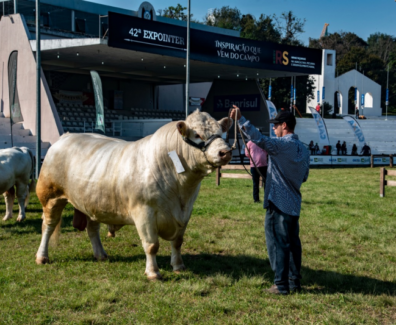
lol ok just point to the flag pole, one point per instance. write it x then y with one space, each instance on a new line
38 91
188 58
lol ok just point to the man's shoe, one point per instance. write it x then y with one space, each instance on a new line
295 290
275 291
257 201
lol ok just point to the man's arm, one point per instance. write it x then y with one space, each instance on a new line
264 142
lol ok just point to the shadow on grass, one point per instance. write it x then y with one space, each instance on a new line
236 267
31 225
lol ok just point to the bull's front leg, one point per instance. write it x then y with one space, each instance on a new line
21 193
176 258
147 228
93 229
9 198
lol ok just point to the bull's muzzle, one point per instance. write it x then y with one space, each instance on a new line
225 156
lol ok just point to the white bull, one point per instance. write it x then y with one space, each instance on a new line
16 169
123 183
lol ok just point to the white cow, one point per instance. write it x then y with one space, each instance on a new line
16 169
124 183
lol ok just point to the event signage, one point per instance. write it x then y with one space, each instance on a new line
143 35
356 129
362 100
323 93
272 114
269 92
244 102
387 97
323 136
346 160
318 96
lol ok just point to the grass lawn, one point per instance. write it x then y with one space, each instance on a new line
348 235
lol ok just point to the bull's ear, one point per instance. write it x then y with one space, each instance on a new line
225 124
182 128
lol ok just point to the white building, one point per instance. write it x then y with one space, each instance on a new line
342 84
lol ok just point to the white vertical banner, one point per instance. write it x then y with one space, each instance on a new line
356 129
272 114
323 136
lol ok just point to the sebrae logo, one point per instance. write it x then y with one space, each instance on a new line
281 57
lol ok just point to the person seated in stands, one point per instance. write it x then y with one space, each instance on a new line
366 151
354 150
316 148
344 148
311 147
338 146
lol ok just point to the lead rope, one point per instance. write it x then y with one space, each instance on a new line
244 142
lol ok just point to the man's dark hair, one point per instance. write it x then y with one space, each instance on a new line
291 124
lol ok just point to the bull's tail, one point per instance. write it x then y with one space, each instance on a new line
54 240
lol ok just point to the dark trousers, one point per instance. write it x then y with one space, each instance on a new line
256 181
284 248
338 151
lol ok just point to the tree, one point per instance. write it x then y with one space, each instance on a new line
225 17
342 43
290 28
281 91
382 45
174 12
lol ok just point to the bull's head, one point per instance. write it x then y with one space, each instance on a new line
203 132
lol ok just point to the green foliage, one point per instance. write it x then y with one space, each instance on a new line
327 108
281 91
175 12
349 264
290 28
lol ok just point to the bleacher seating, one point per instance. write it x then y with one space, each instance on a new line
78 118
379 134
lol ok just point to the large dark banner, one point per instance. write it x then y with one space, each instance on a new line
246 103
138 34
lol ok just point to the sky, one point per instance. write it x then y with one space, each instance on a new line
362 17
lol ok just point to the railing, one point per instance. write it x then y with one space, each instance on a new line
245 175
384 182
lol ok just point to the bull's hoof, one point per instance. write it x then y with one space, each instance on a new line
101 258
7 217
21 218
179 268
111 234
154 276
42 260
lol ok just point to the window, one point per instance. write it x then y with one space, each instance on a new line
80 25
329 59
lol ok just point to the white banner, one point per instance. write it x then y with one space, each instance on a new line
323 136
272 114
356 129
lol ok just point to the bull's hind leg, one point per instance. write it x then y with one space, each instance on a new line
9 198
22 191
52 213
176 259
93 229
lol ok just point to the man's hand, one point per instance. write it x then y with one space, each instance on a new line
236 112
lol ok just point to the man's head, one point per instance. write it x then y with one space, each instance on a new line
284 123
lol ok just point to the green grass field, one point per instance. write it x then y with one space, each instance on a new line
348 235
